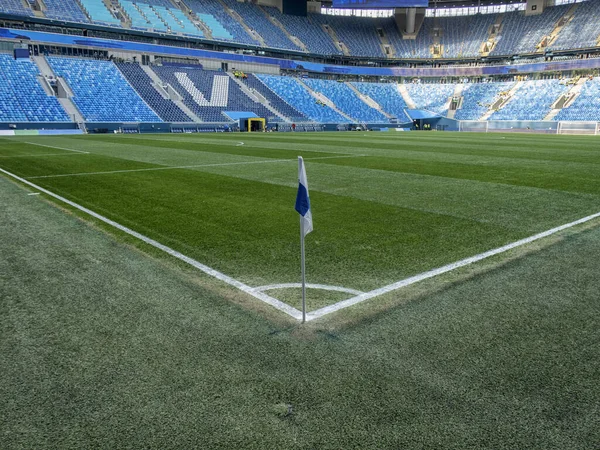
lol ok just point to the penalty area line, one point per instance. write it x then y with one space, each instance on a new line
283 307
440 270
59 148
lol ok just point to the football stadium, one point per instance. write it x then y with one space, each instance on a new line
292 224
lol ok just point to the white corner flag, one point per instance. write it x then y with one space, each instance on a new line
302 199
306 225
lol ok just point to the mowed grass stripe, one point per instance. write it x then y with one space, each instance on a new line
249 230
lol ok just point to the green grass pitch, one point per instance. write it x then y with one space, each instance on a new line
103 346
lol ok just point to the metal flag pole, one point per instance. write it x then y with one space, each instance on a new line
303 269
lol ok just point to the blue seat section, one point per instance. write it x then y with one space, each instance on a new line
583 30
346 100
432 97
218 30
208 93
232 26
22 98
15 7
587 104
142 83
99 13
479 97
521 33
386 95
532 100
463 36
409 48
359 34
187 27
275 100
68 10
102 93
257 20
136 17
295 94
155 20
312 35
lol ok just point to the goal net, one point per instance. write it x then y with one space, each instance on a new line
473 125
566 127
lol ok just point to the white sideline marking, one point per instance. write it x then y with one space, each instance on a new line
308 285
149 169
34 193
212 272
440 270
60 148
43 154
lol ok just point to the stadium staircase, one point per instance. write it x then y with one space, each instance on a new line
256 96
38 7
490 43
324 99
63 92
406 96
566 99
252 33
369 101
547 41
84 10
386 46
458 90
192 17
502 101
338 44
295 39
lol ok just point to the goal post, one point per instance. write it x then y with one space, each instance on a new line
572 127
473 125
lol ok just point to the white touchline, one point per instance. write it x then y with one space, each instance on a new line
42 154
440 270
150 169
324 287
212 272
53 146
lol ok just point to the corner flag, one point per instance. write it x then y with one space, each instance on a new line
302 199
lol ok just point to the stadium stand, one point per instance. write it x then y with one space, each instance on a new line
102 93
587 104
479 97
68 10
209 93
15 7
346 100
137 19
531 101
386 95
141 82
582 31
99 13
463 36
313 36
22 98
521 34
293 93
256 19
222 25
432 97
359 34
275 101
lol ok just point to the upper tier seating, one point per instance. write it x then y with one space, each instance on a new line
463 36
357 33
99 13
479 97
209 93
137 19
253 82
102 93
387 96
217 29
68 10
346 100
531 101
587 104
257 20
312 35
295 94
432 97
583 31
521 34
142 83
15 7
409 48
222 17
22 98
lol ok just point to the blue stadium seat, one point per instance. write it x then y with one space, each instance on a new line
15 7
587 104
387 96
479 97
531 101
582 31
432 97
254 82
68 10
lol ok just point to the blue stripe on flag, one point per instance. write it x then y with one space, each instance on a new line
302 200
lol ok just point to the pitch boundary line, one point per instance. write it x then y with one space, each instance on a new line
149 169
324 287
440 270
60 148
289 310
